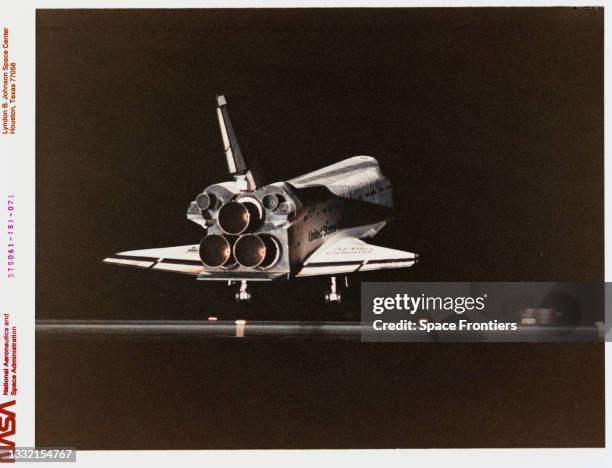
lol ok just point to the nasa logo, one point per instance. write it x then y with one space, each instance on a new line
7 429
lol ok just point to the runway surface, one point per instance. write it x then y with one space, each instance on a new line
193 328
214 328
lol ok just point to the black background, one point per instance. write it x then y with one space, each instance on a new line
489 123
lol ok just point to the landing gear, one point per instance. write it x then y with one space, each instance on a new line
243 295
333 297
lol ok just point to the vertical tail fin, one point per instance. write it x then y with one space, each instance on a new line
235 161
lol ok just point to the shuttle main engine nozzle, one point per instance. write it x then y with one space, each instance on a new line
238 217
252 251
216 251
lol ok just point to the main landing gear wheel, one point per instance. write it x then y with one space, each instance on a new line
333 297
243 294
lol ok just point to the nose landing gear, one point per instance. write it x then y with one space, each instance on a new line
243 294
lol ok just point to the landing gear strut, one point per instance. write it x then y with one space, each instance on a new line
333 297
243 295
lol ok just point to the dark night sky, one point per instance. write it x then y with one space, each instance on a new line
489 123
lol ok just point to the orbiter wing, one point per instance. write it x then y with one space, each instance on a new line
350 254
181 259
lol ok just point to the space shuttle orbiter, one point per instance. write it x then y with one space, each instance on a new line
314 224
